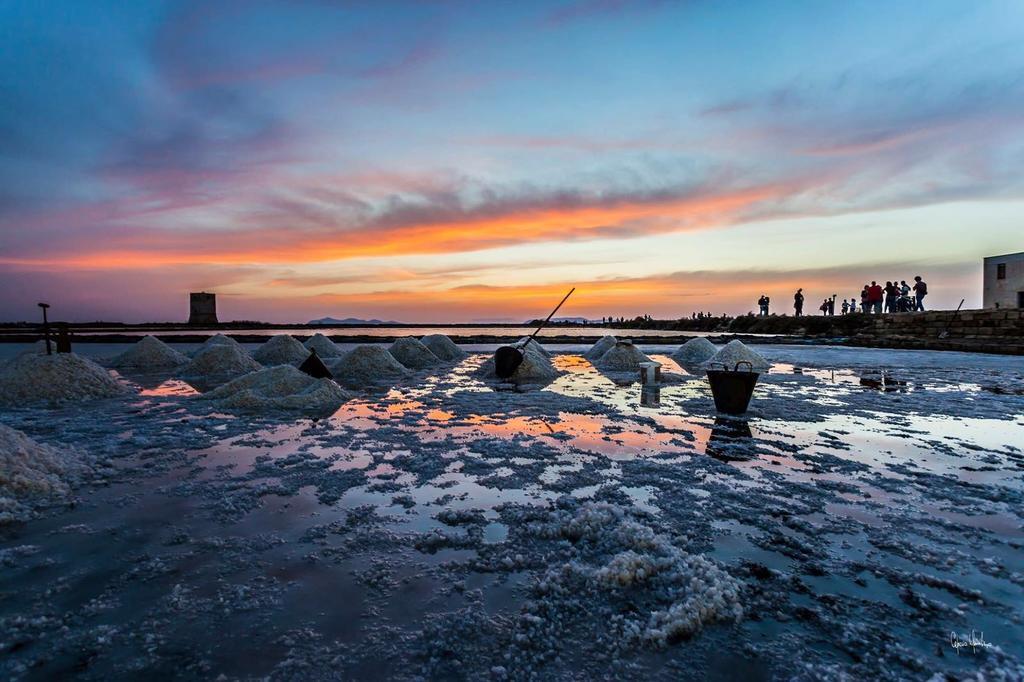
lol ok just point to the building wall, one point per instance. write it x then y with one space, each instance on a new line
1005 292
202 308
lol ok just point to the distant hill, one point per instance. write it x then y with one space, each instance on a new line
329 321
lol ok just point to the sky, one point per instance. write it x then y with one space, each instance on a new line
470 162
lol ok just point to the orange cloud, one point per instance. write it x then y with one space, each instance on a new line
420 231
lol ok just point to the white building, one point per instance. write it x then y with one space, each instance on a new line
1004 281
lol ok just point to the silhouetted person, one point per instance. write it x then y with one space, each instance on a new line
853 305
875 297
832 305
890 297
798 302
920 291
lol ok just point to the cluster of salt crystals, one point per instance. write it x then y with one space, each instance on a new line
694 590
622 357
527 343
149 353
413 354
694 352
54 380
34 475
281 388
281 349
734 352
443 347
366 365
600 348
220 359
323 346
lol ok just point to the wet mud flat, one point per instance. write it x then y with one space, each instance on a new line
870 504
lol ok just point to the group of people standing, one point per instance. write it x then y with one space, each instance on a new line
874 298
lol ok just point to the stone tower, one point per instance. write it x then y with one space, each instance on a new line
202 308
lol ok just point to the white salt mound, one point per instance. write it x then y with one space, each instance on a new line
220 360
33 474
366 365
413 354
279 388
149 353
443 347
281 349
695 352
600 348
534 343
55 379
219 340
536 368
734 352
622 357
323 346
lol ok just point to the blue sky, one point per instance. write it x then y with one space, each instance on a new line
468 161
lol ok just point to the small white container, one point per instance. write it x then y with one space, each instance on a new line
650 373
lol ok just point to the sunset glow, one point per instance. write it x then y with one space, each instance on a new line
464 162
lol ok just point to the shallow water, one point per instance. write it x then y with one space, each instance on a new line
864 525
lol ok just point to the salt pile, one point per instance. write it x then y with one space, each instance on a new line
695 352
33 474
443 347
281 388
536 367
535 344
600 348
281 349
622 357
323 346
413 354
55 379
366 365
219 340
734 352
220 360
149 353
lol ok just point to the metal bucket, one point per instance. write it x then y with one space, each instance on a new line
732 388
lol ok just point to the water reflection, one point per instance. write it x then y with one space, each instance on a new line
650 396
730 440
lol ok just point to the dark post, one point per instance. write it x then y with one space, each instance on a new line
63 338
46 328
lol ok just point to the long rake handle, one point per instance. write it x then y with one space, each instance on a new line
551 315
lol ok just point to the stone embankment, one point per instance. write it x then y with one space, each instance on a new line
981 331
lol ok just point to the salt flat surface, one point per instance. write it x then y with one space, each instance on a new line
870 503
